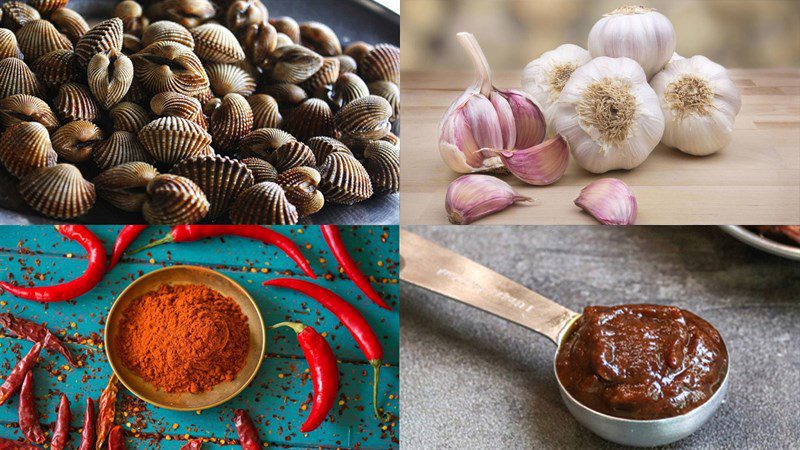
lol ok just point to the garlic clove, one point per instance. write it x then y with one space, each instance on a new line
610 201
472 197
529 120
505 117
539 165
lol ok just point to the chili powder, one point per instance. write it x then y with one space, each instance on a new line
184 338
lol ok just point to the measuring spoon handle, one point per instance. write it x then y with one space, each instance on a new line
429 266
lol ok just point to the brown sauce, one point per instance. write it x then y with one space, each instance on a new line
641 361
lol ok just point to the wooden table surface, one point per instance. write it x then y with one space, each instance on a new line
278 399
755 180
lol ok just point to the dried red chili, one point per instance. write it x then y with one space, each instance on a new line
334 240
34 332
28 416
191 233
14 380
88 431
77 287
126 236
8 444
358 326
324 372
248 434
116 439
107 408
61 430
194 444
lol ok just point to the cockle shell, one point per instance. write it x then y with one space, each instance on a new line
287 95
300 186
382 63
262 143
17 78
137 93
323 146
39 37
25 148
382 161
9 47
292 64
75 102
389 91
264 203
222 180
293 154
358 145
17 14
46 7
128 116
216 44
189 13
287 26
109 78
344 180
167 31
245 12
265 111
174 200
312 118
26 108
232 121
228 78
320 38
262 170
131 44
120 148
283 40
58 191
132 16
124 185
358 50
178 105
169 66
172 139
365 118
347 64
75 141
325 76
70 23
349 87
259 40
57 67
105 37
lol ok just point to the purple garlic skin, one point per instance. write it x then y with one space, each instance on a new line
610 201
472 197
539 165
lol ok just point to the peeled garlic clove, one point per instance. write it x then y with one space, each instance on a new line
539 165
472 197
610 201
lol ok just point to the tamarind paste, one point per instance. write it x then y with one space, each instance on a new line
184 338
641 361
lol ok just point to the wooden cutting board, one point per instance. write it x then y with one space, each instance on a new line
755 180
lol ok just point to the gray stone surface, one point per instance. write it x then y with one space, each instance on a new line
470 380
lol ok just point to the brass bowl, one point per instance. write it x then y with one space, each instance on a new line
220 393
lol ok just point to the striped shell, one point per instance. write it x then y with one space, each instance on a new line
358 146
70 23
75 102
16 14
131 14
382 63
105 37
382 161
287 26
325 76
26 108
259 40
228 78
167 31
222 180
232 121
17 78
245 12
46 7
390 92
323 146
168 66
58 191
189 13
9 47
109 78
216 44
264 203
58 67
262 170
39 37
120 148
293 154
347 64
172 139
137 93
320 38
36 151
312 118
344 180
287 95
131 44
262 143
349 87
300 186
124 185
365 118
128 116
75 141
265 111
178 105
292 64
174 200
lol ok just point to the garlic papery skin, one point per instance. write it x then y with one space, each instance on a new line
545 77
539 165
700 104
610 201
484 117
637 32
608 114
472 197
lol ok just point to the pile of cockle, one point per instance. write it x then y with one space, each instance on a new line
188 110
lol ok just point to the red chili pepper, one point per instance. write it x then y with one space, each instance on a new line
128 234
116 439
334 240
77 287
107 408
28 416
34 332
324 372
191 233
194 444
88 432
358 326
61 430
14 380
248 434
8 444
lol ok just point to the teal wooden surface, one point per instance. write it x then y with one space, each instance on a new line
278 399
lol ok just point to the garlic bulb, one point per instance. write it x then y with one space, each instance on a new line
472 197
539 165
545 77
484 117
700 103
642 34
609 115
610 201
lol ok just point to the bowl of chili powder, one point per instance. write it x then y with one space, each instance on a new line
185 338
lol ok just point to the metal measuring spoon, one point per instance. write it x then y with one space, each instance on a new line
429 266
